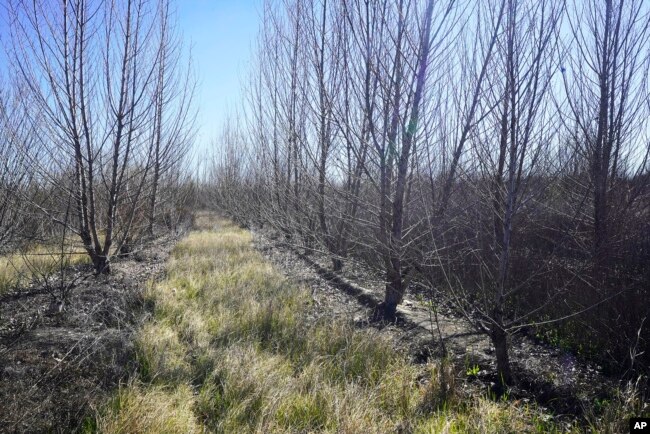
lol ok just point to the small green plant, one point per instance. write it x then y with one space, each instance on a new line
473 371
601 405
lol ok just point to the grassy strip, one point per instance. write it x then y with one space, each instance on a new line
230 350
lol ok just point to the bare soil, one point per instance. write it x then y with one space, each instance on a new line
555 379
57 362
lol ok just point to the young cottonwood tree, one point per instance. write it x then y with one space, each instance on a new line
607 116
94 76
436 23
173 116
14 176
512 147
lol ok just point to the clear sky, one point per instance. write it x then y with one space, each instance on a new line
222 35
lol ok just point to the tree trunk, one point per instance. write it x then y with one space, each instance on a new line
499 339
395 285
101 264
600 159
394 289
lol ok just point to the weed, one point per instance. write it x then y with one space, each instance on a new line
473 371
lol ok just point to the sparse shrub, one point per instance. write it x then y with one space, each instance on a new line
611 416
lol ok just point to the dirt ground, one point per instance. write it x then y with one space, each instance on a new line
553 378
58 362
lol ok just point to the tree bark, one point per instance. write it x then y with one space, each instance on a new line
499 339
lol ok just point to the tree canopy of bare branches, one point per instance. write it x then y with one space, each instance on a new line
494 150
107 98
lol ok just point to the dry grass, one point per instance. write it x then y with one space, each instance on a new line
19 269
229 350
154 410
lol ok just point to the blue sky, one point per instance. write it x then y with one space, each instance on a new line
222 34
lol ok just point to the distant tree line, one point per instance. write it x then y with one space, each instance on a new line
96 123
497 151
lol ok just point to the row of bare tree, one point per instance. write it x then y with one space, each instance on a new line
96 122
497 151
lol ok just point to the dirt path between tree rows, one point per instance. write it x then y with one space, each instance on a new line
553 378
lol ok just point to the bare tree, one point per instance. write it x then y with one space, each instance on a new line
14 176
512 147
433 42
605 84
432 141
92 72
173 110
